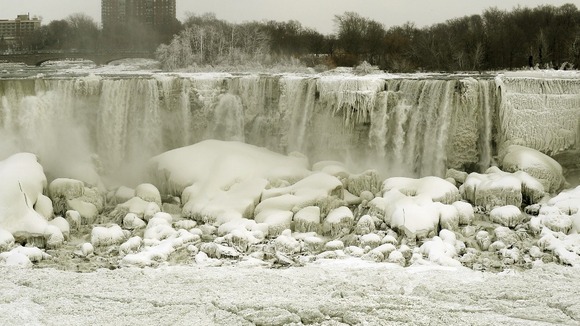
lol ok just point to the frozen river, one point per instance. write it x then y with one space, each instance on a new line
340 292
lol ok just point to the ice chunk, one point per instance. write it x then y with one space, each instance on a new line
6 240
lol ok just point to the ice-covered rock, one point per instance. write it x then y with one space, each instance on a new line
439 190
334 245
87 211
448 216
339 220
567 202
396 257
440 252
557 223
131 221
123 194
149 193
22 181
371 240
87 249
62 224
494 188
223 205
509 215
535 163
23 256
458 176
43 206
307 219
466 212
483 239
62 189
366 181
6 240
365 225
106 236
132 245
285 243
416 217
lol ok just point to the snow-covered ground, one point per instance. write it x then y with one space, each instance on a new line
337 292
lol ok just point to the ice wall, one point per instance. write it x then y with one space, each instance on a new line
401 126
541 113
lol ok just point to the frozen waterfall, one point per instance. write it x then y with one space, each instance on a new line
400 126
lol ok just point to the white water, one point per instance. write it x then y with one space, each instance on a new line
404 126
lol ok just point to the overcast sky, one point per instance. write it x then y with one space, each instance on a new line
317 14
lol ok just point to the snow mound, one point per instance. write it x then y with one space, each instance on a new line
535 163
23 180
437 189
217 165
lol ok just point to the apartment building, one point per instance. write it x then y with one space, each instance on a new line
13 30
155 13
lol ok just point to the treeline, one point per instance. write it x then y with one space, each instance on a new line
545 36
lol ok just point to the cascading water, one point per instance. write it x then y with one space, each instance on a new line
404 126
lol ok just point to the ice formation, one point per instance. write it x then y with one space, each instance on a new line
262 201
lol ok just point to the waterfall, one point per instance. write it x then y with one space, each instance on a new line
400 126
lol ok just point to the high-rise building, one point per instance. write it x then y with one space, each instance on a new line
15 29
155 13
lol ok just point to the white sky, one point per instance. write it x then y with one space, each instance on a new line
311 13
